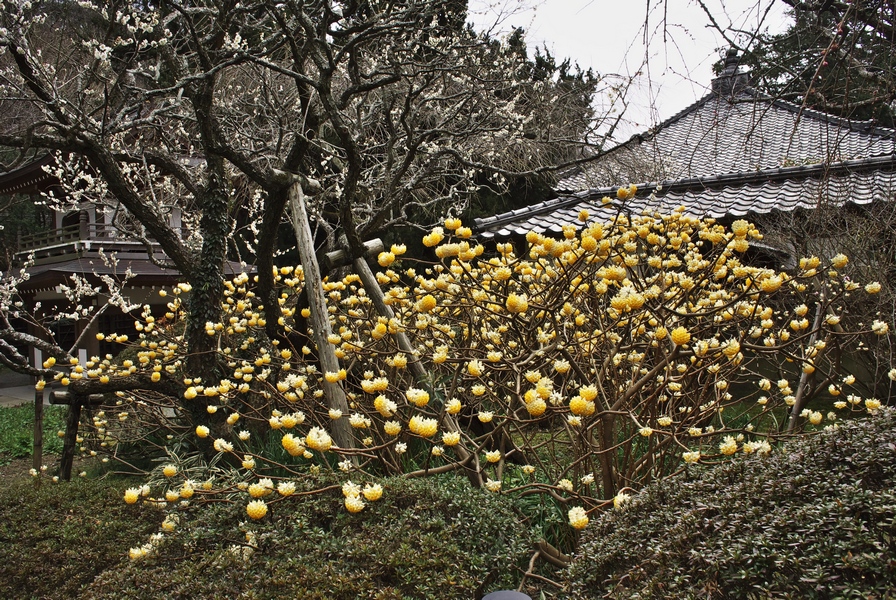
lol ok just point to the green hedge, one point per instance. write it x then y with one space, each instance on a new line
57 537
426 538
813 520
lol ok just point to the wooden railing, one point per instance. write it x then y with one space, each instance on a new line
67 234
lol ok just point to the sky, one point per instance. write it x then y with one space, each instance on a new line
670 59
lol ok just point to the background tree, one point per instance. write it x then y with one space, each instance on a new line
836 57
385 112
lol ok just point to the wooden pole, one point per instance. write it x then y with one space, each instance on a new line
375 293
37 447
37 451
320 321
71 439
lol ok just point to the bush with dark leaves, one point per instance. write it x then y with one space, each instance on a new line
815 519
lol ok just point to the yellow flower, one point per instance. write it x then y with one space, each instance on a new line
680 336
581 407
392 427
373 492
453 223
332 377
620 499
691 457
417 397
169 470
453 406
318 439
839 261
728 446
451 438
474 368
290 444
202 431
561 366
517 303
578 518
493 456
771 284
433 239
537 407
872 404
286 488
257 509
588 392
49 362
645 431
131 495
664 421
426 303
422 426
385 259
354 504
384 406
190 393
485 416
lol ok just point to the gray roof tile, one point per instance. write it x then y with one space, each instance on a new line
731 196
724 157
718 135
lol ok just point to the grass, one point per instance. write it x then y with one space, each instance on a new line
17 431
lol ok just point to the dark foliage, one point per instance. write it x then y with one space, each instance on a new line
56 538
813 520
432 538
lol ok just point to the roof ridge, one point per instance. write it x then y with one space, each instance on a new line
858 125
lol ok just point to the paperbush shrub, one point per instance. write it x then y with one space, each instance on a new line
813 521
425 538
591 365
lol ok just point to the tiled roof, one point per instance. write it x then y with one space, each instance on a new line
734 195
28 179
736 152
746 132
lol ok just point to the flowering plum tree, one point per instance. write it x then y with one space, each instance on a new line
383 112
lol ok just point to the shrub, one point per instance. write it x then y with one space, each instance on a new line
813 521
425 538
58 537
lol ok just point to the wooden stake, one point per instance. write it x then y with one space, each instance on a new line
320 321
